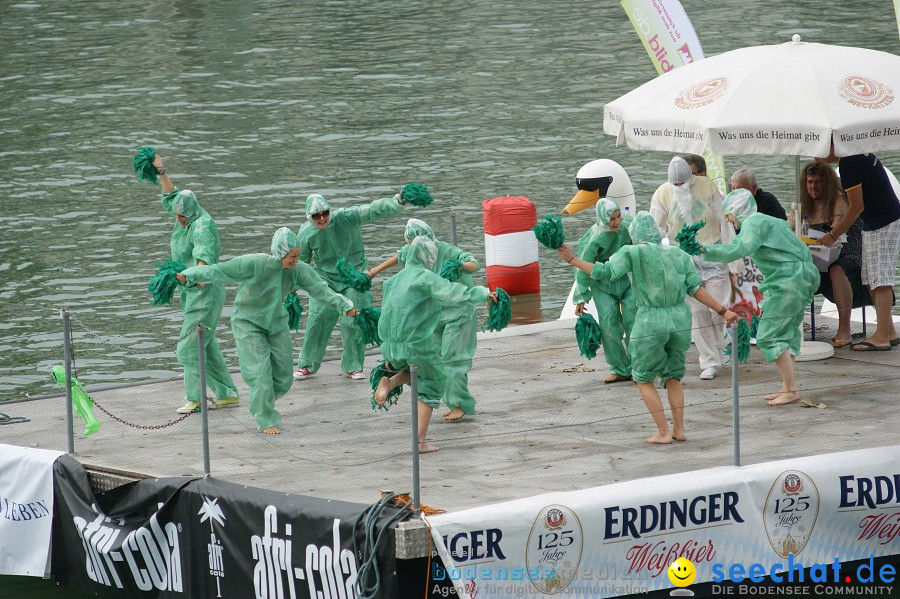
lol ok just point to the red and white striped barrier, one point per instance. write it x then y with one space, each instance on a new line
510 247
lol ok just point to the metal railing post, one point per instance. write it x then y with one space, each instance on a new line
735 396
414 387
67 357
452 227
204 411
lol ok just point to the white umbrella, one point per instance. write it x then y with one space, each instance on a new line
779 99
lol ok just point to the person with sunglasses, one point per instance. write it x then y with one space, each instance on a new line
686 199
326 237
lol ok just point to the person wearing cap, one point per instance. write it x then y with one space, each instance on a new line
458 325
613 300
260 321
414 301
686 199
789 280
661 277
326 237
195 242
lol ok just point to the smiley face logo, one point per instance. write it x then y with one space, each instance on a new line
682 572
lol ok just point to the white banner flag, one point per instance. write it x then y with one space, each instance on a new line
26 510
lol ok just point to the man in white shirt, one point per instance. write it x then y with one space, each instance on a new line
685 199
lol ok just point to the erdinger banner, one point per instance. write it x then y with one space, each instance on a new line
621 539
26 507
179 537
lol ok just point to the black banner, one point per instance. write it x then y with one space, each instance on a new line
206 538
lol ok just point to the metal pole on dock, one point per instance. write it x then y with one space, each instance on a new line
735 396
67 353
414 387
204 411
453 227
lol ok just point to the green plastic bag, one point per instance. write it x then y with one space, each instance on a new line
81 401
587 334
162 285
294 310
143 165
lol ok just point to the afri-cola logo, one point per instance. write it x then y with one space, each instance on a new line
327 570
150 554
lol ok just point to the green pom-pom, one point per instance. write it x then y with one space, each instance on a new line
754 326
550 231
352 278
162 284
687 238
294 310
451 269
143 164
381 370
500 313
587 333
416 194
743 341
367 321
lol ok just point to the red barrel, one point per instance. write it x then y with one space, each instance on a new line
510 247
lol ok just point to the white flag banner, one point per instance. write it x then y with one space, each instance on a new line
769 519
26 510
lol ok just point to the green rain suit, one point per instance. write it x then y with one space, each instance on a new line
614 300
661 276
199 240
789 276
260 322
414 300
458 325
324 247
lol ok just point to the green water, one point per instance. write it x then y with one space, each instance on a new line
256 105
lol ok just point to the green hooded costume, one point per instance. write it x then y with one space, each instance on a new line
323 248
414 301
789 276
458 325
614 300
199 240
661 276
260 322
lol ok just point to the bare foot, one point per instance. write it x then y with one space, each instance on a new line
426 448
661 438
272 430
454 415
381 393
678 435
771 396
612 377
784 398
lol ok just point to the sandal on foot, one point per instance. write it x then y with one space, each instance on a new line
868 346
895 341
839 343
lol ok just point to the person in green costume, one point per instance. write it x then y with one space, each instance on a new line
195 242
414 300
260 321
458 325
613 300
789 281
325 238
661 277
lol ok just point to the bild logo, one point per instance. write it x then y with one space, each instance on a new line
554 549
791 509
